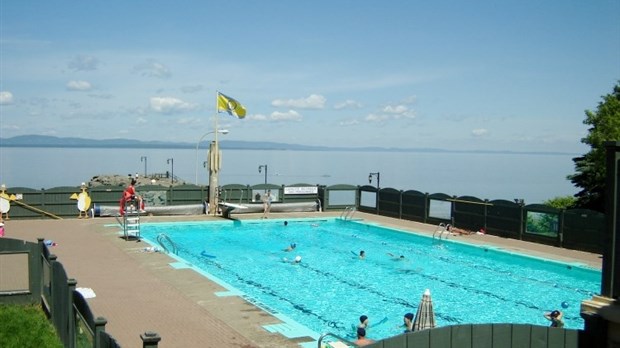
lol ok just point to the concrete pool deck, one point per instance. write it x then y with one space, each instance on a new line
139 291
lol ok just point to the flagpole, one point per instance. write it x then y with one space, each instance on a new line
214 165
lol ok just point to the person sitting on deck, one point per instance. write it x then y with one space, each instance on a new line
459 231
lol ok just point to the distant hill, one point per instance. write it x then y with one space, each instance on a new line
51 141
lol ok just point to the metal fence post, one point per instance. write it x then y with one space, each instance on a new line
150 339
100 323
71 283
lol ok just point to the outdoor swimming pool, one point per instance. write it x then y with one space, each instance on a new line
332 287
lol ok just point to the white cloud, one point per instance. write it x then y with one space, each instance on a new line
398 109
314 101
348 104
6 98
349 123
479 132
152 68
83 63
290 115
141 120
257 117
170 105
376 118
79 85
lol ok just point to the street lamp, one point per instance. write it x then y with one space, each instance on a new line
171 162
143 159
378 175
259 170
221 131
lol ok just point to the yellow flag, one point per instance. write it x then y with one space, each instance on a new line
229 105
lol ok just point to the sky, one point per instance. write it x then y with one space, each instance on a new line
514 75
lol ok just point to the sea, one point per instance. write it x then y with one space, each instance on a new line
532 177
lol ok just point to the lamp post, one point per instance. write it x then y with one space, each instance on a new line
143 159
221 131
171 162
259 170
378 175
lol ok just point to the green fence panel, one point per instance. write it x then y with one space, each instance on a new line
504 219
419 339
461 336
338 196
389 202
106 195
185 194
469 213
556 338
539 337
521 336
502 335
234 193
414 205
482 336
434 199
395 342
584 230
440 337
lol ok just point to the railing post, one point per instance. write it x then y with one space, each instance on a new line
100 323
150 339
71 283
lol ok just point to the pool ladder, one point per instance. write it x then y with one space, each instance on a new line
347 213
162 238
441 229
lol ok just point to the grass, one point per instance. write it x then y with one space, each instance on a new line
26 326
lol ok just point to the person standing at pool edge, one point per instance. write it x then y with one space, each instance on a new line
267 198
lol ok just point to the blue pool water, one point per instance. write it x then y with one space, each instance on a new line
332 287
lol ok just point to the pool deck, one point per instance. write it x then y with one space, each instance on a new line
138 291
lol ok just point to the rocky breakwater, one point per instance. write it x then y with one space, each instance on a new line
150 197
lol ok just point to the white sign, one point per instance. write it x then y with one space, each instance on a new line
301 190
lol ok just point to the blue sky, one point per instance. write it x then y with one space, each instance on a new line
463 75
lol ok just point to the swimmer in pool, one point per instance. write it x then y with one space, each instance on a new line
397 258
294 261
290 247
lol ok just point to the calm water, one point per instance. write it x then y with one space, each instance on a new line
534 178
332 287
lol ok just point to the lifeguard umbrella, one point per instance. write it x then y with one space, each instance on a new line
425 316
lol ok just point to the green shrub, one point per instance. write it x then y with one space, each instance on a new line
26 326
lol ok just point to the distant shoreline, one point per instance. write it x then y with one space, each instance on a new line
55 142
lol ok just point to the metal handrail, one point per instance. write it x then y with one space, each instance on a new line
351 212
160 239
336 337
441 228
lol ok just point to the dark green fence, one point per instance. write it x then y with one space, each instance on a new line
575 229
29 274
489 336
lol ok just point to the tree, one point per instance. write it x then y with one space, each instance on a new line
564 202
591 167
